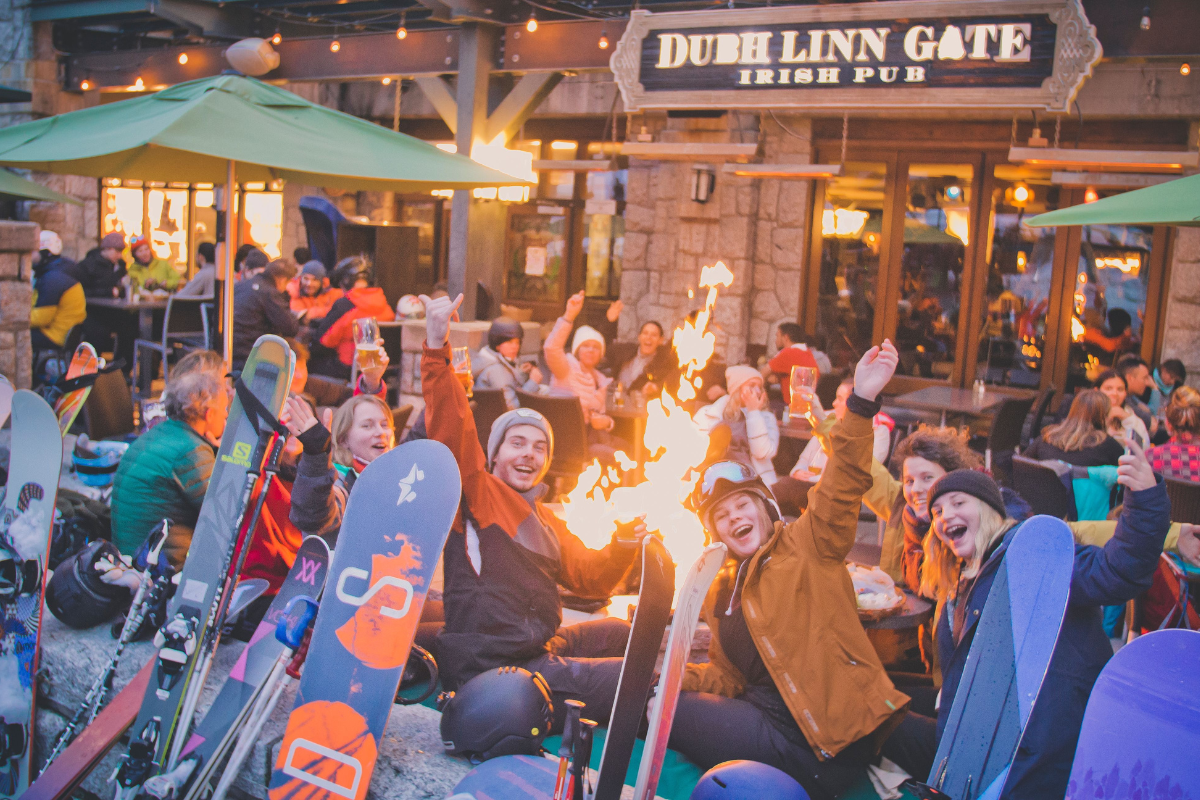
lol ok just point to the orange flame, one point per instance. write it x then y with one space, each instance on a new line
674 447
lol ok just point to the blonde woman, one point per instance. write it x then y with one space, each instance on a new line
1082 438
965 547
740 425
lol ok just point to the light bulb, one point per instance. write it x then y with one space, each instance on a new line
84 85
603 43
277 38
386 81
334 46
531 26
1146 18
1021 194
1185 68
402 32
1090 195
183 59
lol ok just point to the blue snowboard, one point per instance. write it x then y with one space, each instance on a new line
521 777
396 523
1007 662
1141 730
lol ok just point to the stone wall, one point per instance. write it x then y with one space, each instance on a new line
18 240
1181 336
757 227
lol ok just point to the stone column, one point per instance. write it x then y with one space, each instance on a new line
18 241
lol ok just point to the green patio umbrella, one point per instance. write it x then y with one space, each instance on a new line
16 186
229 128
1175 202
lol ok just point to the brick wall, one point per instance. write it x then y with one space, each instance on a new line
18 240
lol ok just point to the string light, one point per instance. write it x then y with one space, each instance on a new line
603 43
1185 69
386 81
183 59
402 31
277 38
531 25
334 46
85 84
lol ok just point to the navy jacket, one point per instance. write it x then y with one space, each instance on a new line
259 308
1111 575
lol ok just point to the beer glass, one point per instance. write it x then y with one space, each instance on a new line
366 344
460 362
802 378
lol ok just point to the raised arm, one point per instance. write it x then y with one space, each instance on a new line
556 342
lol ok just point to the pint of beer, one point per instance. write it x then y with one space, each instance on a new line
802 378
460 362
367 351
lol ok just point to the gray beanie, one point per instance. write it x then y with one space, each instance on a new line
510 419
314 268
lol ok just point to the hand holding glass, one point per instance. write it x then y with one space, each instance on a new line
803 382
366 344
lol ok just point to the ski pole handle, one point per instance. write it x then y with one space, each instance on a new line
293 669
583 757
570 728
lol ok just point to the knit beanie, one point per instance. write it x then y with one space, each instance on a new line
510 419
586 333
314 268
737 376
973 482
113 241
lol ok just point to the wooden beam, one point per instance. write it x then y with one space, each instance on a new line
1121 180
1117 160
798 171
519 104
574 165
437 91
689 151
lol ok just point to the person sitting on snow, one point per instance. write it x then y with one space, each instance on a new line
507 553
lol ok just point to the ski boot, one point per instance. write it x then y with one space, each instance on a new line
136 765
176 642
12 739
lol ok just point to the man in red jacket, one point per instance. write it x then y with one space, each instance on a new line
507 553
336 331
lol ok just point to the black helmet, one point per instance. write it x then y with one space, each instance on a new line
501 712
349 270
725 478
504 329
75 593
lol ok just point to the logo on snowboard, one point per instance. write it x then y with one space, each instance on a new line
407 493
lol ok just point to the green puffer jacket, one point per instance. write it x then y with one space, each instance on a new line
164 474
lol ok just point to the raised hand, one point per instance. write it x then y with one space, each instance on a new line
437 319
1133 470
574 306
875 369
297 416
614 310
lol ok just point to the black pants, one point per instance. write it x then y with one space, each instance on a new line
584 663
913 744
710 729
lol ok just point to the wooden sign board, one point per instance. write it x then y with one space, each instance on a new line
931 53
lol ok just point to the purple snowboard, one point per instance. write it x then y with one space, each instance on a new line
1141 730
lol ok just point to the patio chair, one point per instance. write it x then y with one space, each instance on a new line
328 391
487 405
1185 500
1004 437
565 415
185 328
1040 406
1043 488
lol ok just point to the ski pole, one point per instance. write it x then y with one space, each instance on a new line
212 635
146 595
295 631
570 736
583 758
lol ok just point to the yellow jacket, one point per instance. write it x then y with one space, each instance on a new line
56 321
158 270
800 608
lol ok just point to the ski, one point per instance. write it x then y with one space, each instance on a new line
6 398
396 523
679 647
203 581
212 737
28 516
82 370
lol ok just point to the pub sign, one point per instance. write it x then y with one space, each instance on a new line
927 53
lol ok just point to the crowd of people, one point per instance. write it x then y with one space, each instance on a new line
793 680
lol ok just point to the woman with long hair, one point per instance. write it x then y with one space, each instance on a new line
965 548
1179 457
1082 439
1121 419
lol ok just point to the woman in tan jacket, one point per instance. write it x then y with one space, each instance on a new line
793 681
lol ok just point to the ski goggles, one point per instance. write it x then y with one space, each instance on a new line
719 480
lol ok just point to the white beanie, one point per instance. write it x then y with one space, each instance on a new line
49 240
586 333
738 375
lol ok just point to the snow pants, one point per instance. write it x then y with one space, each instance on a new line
583 663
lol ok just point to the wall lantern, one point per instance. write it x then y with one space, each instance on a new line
704 180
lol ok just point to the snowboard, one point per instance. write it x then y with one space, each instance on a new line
1141 729
679 647
28 515
63 776
212 737
1007 662
396 523
84 363
6 398
268 375
517 777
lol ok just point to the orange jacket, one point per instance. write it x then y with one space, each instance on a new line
800 608
317 307
368 302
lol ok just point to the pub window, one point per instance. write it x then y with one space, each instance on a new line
604 229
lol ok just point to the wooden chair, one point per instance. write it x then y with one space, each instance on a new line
185 328
108 411
328 391
400 418
565 415
487 405
1042 488
1185 500
1040 406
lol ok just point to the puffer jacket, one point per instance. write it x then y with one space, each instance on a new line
1103 576
164 474
365 301
800 608
493 371
507 553
99 276
58 302
158 270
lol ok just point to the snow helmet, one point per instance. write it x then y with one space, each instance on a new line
409 307
350 269
501 712
504 329
725 478
747 780
75 593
